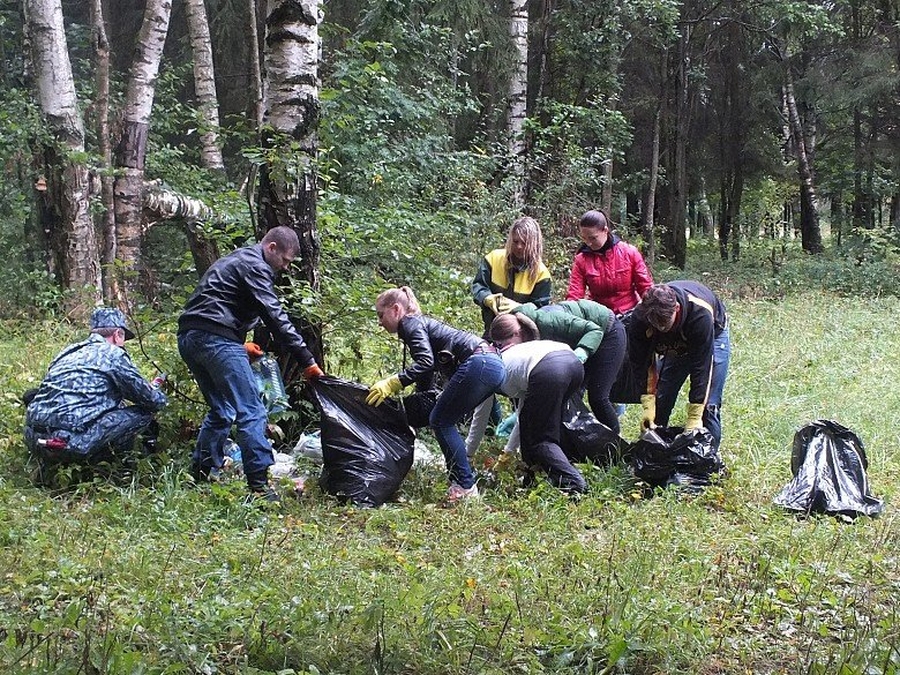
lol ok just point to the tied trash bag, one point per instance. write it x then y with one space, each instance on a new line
585 438
667 456
366 450
829 464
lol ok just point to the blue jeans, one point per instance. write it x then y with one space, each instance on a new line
477 378
675 370
223 373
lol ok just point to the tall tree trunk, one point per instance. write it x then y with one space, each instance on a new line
647 227
101 111
132 149
287 193
203 250
256 84
675 241
606 193
517 98
66 197
810 232
205 85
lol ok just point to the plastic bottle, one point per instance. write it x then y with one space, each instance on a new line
272 386
233 450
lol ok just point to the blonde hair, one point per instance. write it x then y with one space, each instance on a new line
506 326
402 296
528 229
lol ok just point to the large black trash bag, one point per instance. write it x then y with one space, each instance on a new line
829 465
366 450
585 438
667 456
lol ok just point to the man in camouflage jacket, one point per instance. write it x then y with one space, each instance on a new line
80 408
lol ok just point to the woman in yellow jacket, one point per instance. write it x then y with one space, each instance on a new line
516 272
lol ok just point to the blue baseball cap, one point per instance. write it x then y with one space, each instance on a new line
110 317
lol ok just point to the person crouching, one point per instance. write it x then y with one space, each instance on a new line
542 375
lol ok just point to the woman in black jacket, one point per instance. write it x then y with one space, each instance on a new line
474 368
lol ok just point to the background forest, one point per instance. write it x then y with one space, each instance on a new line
752 145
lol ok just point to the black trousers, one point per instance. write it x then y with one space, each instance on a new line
600 373
552 381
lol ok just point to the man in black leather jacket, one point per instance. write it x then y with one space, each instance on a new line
232 297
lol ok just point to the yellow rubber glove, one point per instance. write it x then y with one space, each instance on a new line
694 416
505 305
490 302
648 404
382 389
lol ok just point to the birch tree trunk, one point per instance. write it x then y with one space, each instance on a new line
517 98
67 182
254 65
288 186
810 231
204 251
132 149
205 84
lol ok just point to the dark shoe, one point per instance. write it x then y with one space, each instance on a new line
205 474
258 484
199 473
267 494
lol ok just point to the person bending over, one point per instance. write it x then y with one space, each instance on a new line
235 293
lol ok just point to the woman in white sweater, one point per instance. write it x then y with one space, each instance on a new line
542 375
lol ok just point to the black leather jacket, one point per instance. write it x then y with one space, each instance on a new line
232 297
427 338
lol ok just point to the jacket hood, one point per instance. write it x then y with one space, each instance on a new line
611 241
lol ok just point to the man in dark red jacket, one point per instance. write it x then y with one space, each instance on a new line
686 324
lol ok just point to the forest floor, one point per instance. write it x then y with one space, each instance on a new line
147 573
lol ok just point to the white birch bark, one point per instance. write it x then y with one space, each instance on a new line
160 204
132 148
205 84
287 189
254 65
517 97
68 181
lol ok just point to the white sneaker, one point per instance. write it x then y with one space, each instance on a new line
457 493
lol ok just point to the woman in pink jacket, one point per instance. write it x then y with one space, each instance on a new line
606 269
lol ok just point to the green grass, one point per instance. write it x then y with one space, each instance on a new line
145 574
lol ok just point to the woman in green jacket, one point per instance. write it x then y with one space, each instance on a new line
597 337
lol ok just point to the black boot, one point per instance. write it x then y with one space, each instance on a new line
258 484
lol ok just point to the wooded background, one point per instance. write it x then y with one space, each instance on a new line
134 132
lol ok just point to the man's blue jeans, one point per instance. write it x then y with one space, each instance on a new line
223 373
676 369
477 378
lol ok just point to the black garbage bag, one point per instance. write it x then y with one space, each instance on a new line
667 456
631 381
419 405
366 450
829 465
585 438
